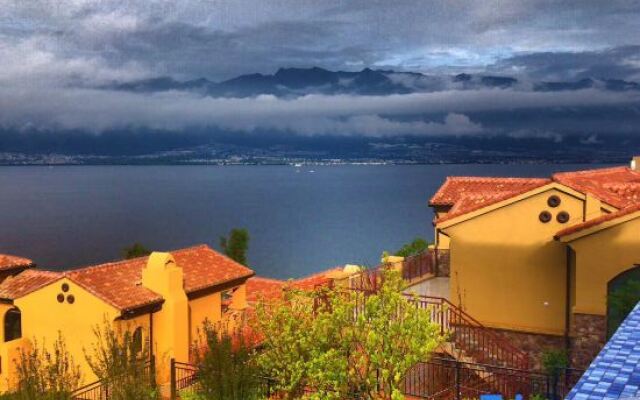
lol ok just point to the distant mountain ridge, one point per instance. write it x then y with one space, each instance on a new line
292 82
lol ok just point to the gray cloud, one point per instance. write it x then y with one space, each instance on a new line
445 112
223 38
55 51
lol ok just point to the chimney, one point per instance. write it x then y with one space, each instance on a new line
635 163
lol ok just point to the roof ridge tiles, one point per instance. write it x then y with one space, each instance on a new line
126 261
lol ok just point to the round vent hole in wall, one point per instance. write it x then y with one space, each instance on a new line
65 287
60 298
545 216
563 217
71 299
554 201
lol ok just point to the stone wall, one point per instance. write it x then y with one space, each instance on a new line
443 263
589 334
532 343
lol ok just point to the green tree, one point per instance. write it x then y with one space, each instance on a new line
344 343
46 375
236 245
418 245
621 303
119 358
134 251
226 366
554 363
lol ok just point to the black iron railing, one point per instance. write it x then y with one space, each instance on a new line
437 379
103 389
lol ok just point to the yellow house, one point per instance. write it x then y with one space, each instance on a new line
535 259
164 298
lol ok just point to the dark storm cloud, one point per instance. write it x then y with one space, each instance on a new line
616 63
57 54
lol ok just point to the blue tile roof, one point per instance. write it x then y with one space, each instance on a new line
615 373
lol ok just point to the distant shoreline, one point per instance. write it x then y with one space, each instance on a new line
313 164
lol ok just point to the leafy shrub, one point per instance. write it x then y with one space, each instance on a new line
120 359
45 375
226 366
416 247
341 344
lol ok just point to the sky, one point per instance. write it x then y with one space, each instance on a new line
62 60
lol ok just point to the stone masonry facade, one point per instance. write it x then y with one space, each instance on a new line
532 343
589 335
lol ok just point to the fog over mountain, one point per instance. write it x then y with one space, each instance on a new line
410 80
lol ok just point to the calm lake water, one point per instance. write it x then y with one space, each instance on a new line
300 220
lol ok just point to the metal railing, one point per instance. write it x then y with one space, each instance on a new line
436 379
103 388
471 337
448 379
184 378
419 265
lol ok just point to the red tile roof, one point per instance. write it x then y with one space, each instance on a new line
312 281
618 186
117 283
8 262
259 288
456 187
465 194
26 282
597 221
120 283
271 289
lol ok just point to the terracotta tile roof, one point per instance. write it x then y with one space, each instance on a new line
618 186
203 268
456 187
467 194
259 288
597 221
312 281
119 283
26 282
8 262
271 289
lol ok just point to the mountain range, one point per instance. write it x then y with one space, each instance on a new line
291 82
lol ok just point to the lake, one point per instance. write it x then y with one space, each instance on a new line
301 220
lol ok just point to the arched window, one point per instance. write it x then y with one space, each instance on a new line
137 340
12 325
623 293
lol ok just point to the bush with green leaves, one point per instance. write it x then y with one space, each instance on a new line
46 374
226 366
236 245
120 359
134 251
417 246
344 343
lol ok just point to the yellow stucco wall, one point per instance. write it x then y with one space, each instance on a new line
174 325
600 257
203 309
43 317
507 271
